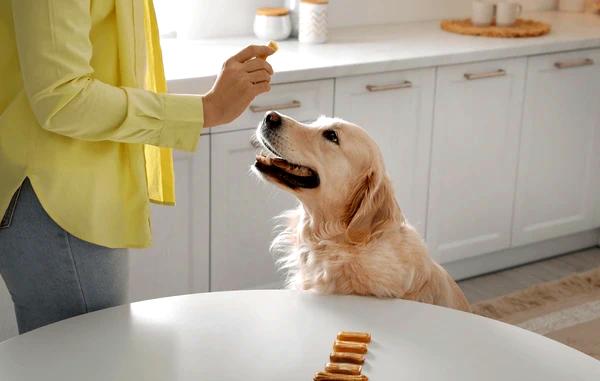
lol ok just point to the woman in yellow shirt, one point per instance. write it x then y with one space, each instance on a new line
86 132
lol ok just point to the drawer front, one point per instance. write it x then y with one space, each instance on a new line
480 71
303 101
564 62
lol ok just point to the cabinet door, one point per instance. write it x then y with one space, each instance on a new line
556 184
177 262
242 217
474 158
396 109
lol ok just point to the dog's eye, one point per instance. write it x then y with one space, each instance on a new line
331 135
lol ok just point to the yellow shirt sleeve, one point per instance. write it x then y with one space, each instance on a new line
55 52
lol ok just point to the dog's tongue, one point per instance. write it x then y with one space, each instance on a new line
297 170
281 163
284 164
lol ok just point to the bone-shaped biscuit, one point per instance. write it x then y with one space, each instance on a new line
345 357
326 376
350 346
341 368
360 337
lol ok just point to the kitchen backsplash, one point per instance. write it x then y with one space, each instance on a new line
210 18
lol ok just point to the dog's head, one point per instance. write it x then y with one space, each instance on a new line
332 166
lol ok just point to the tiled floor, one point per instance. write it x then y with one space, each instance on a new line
506 281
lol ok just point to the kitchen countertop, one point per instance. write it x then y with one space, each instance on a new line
380 48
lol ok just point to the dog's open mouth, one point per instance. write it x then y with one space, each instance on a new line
289 174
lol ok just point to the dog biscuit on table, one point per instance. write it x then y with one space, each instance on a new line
351 369
361 337
345 357
326 376
350 346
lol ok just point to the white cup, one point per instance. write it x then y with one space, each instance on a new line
507 13
483 13
571 5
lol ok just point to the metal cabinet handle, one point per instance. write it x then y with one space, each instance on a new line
392 86
491 74
282 106
575 63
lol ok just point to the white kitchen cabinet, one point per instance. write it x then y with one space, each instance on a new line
474 158
397 110
557 185
178 261
242 217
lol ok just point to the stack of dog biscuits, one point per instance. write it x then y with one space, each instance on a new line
347 358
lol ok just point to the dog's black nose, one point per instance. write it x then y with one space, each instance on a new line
273 119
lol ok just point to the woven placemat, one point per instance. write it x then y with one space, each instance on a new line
521 28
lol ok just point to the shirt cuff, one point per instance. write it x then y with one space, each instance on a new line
182 121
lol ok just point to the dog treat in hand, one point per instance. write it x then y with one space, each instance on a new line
345 357
273 45
326 376
350 346
352 369
360 337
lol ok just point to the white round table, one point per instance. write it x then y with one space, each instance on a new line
283 335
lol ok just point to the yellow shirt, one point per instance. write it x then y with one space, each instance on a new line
83 114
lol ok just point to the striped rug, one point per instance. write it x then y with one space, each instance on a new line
567 310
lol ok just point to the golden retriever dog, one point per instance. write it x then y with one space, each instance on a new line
348 235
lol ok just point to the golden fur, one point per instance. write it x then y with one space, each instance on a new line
348 235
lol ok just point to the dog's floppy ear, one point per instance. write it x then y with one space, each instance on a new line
371 205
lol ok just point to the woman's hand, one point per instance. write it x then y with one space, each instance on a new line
242 78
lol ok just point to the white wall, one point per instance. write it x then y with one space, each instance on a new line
360 12
211 18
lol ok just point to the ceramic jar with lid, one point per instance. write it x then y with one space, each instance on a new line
272 23
312 23
571 5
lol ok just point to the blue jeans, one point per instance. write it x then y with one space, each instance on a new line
50 274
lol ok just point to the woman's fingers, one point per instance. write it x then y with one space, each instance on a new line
242 77
258 64
259 76
253 51
261 87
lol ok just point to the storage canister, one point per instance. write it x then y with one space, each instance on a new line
312 25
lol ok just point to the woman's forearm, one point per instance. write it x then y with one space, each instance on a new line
55 53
